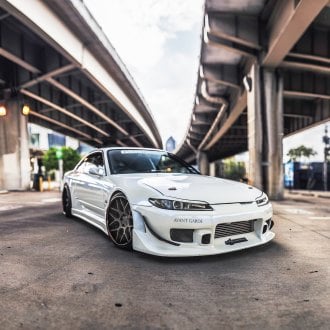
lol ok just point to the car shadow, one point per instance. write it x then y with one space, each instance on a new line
270 249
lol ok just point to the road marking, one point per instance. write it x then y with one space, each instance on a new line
320 218
50 200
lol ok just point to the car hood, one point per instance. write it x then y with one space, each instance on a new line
202 188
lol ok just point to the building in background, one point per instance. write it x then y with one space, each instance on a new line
42 139
170 144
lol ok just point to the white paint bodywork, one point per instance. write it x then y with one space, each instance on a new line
231 202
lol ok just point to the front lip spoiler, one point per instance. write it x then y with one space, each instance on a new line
156 235
235 241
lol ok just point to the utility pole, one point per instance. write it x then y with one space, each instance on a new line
326 141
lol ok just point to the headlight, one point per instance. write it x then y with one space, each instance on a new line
262 200
170 204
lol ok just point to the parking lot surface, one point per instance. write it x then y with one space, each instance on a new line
59 273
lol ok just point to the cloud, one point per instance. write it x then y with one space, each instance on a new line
159 41
140 29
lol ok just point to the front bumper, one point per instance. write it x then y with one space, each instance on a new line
151 233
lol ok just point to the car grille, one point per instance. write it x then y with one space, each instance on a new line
234 228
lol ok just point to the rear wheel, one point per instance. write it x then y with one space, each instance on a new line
66 202
120 221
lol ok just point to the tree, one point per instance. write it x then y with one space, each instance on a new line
70 159
302 151
233 170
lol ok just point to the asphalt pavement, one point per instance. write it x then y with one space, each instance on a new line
59 273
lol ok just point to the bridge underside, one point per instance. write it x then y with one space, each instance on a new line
264 74
62 95
56 59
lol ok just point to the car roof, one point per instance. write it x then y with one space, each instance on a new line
126 148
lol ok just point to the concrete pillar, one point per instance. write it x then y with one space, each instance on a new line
14 149
255 131
203 163
212 169
273 89
265 130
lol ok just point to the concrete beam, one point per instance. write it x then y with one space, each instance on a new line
204 109
226 75
224 44
309 57
200 131
305 95
243 30
235 112
320 69
287 23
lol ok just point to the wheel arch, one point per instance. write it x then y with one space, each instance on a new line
116 191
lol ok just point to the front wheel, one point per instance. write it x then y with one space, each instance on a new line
120 221
66 202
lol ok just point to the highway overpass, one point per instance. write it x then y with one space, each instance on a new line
264 74
55 58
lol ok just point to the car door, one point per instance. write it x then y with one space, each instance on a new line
92 189
96 190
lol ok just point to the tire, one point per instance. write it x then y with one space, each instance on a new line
66 202
120 221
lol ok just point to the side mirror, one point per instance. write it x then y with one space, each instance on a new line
99 171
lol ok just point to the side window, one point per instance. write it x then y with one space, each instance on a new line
95 159
80 168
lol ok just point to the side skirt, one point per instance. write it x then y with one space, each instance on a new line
91 218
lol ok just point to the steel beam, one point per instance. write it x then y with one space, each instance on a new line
17 60
224 75
235 112
58 123
226 45
240 29
47 75
287 23
63 110
85 104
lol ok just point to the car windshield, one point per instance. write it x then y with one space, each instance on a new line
146 161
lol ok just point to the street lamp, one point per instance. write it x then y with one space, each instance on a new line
326 141
25 110
3 111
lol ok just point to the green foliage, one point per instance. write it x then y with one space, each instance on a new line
70 159
302 151
233 170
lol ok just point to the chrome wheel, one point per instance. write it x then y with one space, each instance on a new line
120 221
66 202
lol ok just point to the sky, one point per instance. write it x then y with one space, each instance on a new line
159 42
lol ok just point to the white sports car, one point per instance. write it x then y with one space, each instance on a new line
153 202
